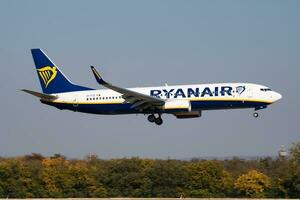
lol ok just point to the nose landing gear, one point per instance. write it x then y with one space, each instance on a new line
157 120
255 115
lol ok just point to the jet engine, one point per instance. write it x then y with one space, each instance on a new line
187 115
175 106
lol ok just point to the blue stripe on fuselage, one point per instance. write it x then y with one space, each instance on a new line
215 104
120 108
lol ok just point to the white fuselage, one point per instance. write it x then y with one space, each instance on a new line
200 97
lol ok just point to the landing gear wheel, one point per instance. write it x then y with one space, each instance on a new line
255 115
158 121
151 118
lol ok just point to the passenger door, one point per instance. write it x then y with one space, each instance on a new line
249 92
75 102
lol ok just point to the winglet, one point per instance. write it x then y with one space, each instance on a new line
99 79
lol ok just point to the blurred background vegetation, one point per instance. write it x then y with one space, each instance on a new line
36 176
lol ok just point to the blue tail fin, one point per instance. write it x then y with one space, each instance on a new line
51 78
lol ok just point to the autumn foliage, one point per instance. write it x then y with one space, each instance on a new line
253 184
36 176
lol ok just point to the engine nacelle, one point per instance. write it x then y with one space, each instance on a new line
176 106
186 115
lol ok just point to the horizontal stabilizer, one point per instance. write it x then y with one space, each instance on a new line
40 95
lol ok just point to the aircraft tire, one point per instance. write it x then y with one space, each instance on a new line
158 121
255 115
151 118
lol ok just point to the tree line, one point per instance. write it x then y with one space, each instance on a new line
36 176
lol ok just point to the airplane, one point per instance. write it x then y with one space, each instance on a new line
182 101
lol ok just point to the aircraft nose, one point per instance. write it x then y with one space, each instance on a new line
276 96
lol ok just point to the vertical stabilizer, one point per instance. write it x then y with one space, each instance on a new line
51 78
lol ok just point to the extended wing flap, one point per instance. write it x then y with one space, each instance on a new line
129 95
138 104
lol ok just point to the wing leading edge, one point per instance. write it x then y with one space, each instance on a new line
139 101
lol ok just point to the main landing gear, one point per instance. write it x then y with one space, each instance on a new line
157 120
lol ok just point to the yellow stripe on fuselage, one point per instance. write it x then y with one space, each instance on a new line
229 99
176 107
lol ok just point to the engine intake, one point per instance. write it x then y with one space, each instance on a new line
177 106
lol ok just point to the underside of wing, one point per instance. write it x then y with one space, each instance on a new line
138 100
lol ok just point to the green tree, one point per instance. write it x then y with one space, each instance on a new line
292 181
208 179
34 163
237 166
36 176
295 153
15 179
97 170
127 177
277 169
83 184
168 178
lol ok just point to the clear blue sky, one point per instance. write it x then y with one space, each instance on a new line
144 43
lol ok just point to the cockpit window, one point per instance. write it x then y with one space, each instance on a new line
265 89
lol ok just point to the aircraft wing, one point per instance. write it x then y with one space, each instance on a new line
140 101
40 95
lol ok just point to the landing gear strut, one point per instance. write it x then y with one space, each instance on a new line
255 114
157 120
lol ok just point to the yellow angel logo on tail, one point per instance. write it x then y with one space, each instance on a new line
48 74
